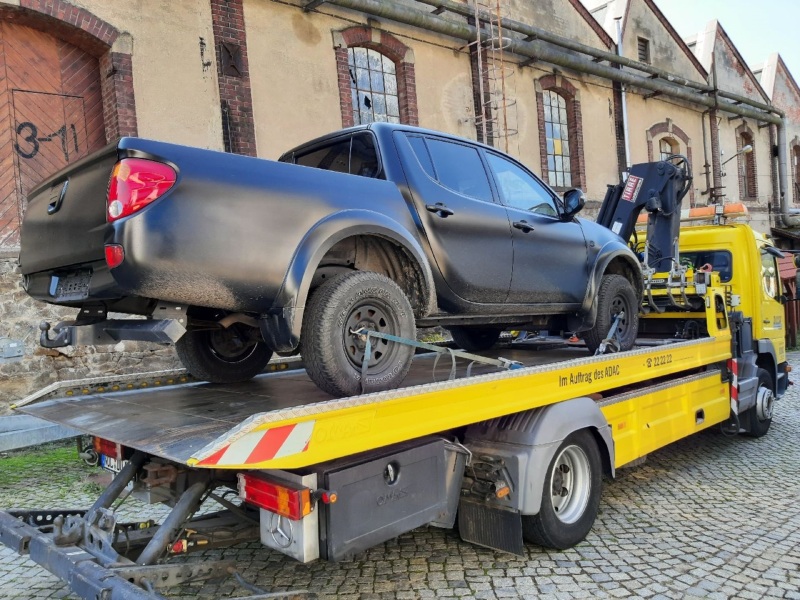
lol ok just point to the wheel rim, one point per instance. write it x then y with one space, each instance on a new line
230 345
571 484
618 305
764 402
372 316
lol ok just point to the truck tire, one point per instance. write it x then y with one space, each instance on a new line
475 339
333 355
615 294
759 418
222 355
571 495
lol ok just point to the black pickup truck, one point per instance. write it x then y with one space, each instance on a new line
381 227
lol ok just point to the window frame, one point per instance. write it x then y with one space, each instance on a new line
564 137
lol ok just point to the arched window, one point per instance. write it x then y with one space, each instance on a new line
376 77
667 147
560 132
747 167
559 170
666 138
373 86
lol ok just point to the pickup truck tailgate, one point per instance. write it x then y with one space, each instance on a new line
65 222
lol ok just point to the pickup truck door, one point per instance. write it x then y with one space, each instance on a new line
550 254
468 232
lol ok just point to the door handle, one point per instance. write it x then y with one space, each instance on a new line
440 209
523 225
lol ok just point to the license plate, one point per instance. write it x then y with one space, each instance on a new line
109 463
72 287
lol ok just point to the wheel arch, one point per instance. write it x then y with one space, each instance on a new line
386 238
533 437
613 258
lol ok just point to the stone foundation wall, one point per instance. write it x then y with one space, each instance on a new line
19 320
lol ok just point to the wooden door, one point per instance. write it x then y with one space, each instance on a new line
51 114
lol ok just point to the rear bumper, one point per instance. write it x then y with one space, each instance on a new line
44 285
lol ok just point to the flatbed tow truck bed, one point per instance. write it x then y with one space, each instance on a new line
282 420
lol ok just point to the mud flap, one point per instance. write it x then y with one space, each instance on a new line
489 526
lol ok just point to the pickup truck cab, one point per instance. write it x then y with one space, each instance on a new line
380 227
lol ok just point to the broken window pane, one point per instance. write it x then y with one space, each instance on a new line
374 81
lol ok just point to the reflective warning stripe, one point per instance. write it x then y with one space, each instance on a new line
733 367
266 444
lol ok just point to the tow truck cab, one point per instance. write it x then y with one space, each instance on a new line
746 261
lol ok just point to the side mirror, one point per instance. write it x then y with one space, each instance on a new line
574 201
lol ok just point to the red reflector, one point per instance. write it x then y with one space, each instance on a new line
115 254
135 183
281 498
106 447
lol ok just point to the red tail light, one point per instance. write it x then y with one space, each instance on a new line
281 498
115 254
135 183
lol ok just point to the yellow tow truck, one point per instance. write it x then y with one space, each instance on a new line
513 449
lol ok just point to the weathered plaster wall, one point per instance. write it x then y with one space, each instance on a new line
174 73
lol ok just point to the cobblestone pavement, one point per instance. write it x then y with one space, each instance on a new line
708 517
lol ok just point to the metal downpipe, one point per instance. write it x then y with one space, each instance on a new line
624 102
541 51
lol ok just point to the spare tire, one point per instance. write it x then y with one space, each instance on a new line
475 339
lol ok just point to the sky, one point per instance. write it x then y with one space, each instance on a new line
757 28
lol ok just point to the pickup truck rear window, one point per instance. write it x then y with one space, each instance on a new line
355 155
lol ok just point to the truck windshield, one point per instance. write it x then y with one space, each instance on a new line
720 261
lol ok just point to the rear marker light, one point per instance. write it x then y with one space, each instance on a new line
107 447
281 498
135 183
115 254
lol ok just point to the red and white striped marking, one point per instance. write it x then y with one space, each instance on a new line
733 366
265 444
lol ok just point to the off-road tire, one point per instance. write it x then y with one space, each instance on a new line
756 427
616 293
206 356
333 355
581 502
475 339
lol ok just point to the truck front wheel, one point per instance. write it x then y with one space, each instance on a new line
759 417
223 355
616 295
334 352
571 495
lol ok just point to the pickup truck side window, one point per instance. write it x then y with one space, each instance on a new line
355 155
518 189
460 168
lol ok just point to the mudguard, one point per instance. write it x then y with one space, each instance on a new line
526 443
282 324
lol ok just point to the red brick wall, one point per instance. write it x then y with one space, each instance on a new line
238 125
